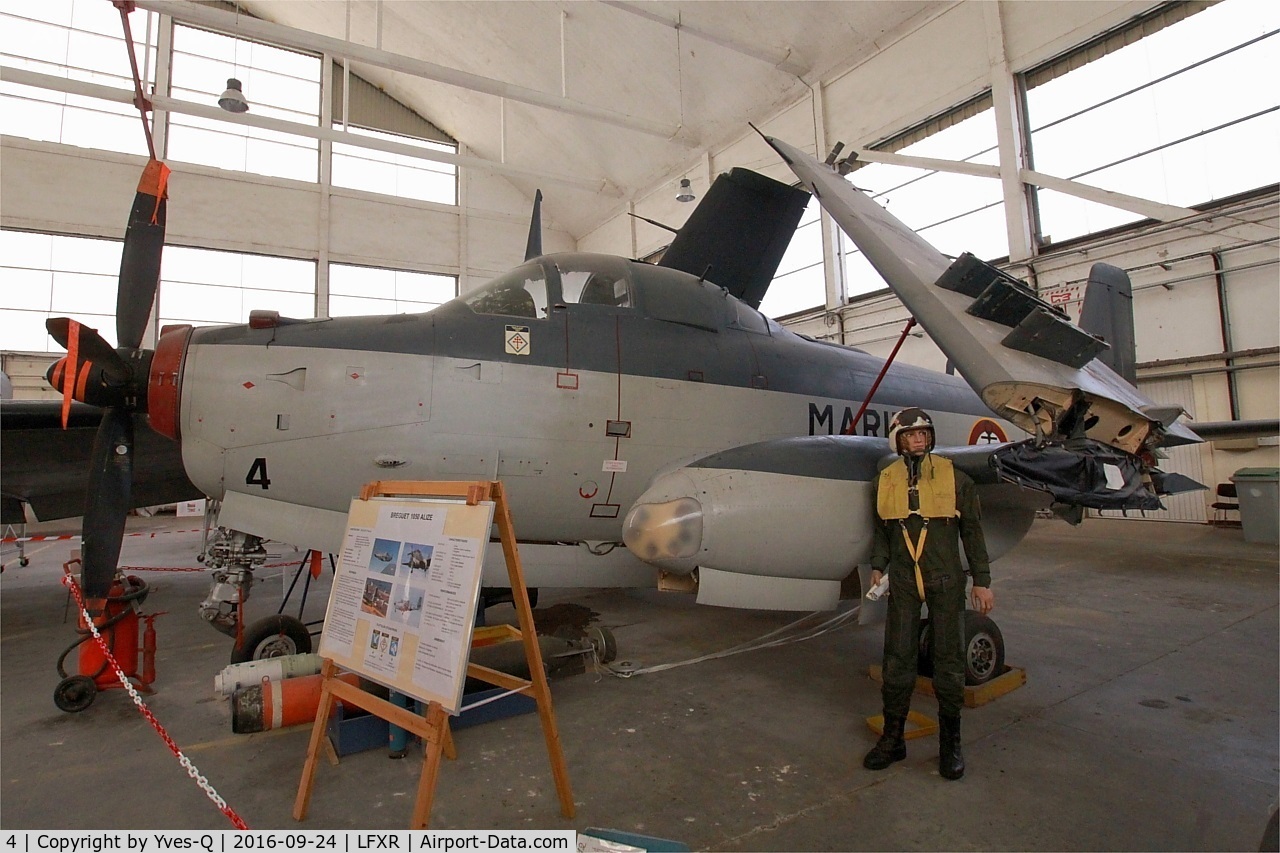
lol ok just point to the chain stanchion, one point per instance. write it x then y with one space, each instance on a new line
70 582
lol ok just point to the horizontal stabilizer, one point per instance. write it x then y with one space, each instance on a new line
1237 429
1162 413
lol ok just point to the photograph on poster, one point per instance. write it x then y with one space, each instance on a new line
383 560
377 596
416 556
406 606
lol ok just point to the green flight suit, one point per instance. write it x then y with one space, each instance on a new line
944 585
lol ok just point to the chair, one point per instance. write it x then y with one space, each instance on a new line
1227 502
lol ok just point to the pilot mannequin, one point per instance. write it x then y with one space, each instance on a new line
925 510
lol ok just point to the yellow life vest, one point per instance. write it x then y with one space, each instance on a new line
937 488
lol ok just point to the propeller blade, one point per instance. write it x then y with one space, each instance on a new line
92 346
140 261
110 484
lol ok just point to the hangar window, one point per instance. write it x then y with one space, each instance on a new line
46 38
362 109
956 213
355 290
1183 115
800 282
49 275
53 275
282 84
203 287
400 175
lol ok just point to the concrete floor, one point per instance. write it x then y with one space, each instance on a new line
1149 719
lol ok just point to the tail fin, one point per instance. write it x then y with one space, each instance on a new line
533 248
739 233
1108 313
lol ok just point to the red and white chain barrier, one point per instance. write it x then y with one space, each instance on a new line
68 536
71 584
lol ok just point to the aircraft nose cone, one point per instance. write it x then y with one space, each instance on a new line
664 532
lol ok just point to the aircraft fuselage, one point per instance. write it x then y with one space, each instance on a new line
575 405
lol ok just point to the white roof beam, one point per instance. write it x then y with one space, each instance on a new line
780 61
173 105
960 167
1133 204
256 28
1141 206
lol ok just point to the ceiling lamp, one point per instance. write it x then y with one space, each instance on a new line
686 191
232 99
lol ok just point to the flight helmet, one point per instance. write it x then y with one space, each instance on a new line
911 418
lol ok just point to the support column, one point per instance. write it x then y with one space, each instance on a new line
325 187
833 270
1011 138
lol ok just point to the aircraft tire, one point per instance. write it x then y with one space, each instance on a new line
983 649
75 693
272 637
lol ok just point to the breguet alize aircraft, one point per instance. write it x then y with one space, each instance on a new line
621 403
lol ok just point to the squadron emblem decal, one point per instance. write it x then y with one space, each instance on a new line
517 340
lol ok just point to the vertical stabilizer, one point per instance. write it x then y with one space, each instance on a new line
533 248
738 234
1108 313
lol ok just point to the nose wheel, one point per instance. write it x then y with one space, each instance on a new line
273 637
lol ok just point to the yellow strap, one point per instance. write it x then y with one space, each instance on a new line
916 552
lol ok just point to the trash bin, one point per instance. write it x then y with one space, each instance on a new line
1259 493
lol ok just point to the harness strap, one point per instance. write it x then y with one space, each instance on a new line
916 551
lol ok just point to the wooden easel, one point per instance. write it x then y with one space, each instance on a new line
433 726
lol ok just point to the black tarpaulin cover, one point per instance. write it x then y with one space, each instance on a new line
1082 473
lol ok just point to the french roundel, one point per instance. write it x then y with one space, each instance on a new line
987 431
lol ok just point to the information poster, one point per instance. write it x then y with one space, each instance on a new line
403 603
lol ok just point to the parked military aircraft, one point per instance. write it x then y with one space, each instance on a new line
619 402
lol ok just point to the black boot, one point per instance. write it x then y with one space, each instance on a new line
891 747
950 759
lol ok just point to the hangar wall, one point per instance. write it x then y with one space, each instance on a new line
238 211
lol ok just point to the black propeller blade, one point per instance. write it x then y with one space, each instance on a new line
91 347
107 505
140 262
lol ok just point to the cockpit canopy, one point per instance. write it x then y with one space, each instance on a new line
535 289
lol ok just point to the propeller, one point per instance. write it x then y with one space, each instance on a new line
114 379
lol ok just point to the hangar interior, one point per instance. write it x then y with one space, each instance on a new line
389 161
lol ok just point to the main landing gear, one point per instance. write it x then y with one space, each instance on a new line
983 649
